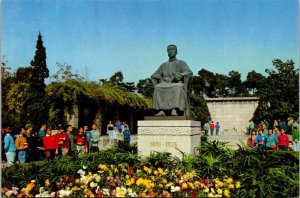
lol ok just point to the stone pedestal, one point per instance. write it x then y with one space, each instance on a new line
167 135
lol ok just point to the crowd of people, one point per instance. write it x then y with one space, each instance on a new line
274 137
211 126
30 145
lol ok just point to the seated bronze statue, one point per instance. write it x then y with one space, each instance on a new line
170 83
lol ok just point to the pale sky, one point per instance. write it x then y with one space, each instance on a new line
106 36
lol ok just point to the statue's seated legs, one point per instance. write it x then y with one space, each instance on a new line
169 97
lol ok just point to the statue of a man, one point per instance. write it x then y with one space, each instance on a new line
168 81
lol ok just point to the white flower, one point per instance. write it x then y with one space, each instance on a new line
64 193
175 188
98 178
84 167
131 193
81 172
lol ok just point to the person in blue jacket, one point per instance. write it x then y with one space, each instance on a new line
126 134
259 141
9 148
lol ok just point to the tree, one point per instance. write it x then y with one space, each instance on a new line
36 106
254 82
65 73
280 91
145 87
23 75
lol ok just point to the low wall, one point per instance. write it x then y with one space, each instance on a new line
232 113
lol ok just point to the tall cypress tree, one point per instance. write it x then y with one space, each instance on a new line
36 105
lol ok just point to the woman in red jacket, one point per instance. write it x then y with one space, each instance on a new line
283 141
50 144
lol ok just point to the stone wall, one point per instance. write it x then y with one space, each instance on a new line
233 114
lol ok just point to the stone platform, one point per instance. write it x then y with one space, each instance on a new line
168 136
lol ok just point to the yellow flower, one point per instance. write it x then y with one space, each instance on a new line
47 183
212 190
164 181
75 188
139 181
238 184
191 185
77 181
184 186
220 184
120 192
220 191
231 185
206 190
127 176
148 170
116 170
161 171
197 184
160 185
229 180
155 172
103 167
227 193
211 195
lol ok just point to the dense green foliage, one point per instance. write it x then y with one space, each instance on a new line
262 173
36 103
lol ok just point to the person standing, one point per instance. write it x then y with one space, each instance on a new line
81 142
120 136
63 141
42 132
9 147
217 128
295 135
95 138
206 128
126 134
212 128
283 141
251 126
88 135
72 139
22 146
251 140
110 132
28 128
50 144
271 141
33 144
260 138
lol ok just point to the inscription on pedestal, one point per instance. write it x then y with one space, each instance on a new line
168 136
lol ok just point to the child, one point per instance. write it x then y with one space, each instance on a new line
120 136
283 141
252 138
259 140
126 134
295 135
50 144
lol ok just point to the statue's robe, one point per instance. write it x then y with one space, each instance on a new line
169 91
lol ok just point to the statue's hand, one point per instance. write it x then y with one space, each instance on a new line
177 77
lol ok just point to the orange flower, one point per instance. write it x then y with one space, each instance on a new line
47 183
151 193
165 194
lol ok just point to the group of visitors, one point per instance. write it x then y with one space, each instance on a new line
118 132
211 126
273 138
31 145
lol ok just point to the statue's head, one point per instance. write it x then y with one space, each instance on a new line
172 51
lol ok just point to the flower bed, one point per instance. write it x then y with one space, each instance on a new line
216 172
123 180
